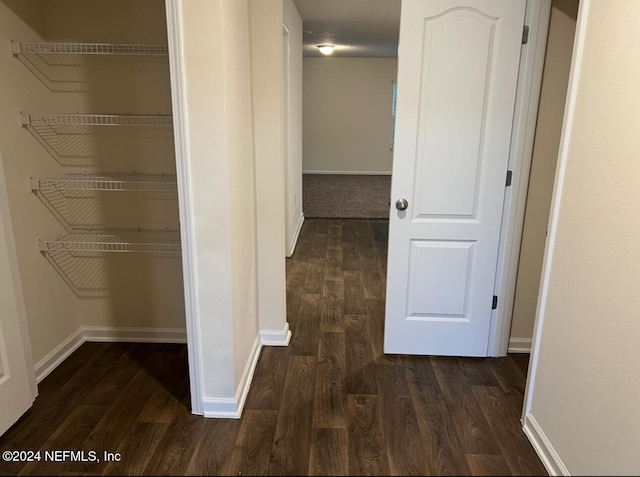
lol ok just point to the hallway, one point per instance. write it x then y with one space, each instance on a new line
344 408
331 403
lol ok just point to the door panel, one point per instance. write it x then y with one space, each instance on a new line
452 90
458 66
438 283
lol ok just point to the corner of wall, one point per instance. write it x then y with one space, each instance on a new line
276 337
548 455
291 247
231 408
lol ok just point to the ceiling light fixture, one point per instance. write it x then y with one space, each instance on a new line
326 49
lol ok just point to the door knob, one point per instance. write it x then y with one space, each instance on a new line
402 204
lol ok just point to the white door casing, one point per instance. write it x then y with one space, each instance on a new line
458 66
17 376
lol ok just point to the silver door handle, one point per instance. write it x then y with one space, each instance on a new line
402 204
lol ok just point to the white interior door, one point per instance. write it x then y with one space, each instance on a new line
15 384
458 66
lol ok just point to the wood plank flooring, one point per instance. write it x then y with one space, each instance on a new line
331 403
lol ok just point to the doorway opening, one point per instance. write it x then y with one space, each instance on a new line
555 73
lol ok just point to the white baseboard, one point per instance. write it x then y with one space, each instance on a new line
354 173
549 457
231 408
105 334
59 354
276 338
134 335
212 407
296 234
221 408
519 345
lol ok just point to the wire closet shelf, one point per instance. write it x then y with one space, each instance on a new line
78 119
155 241
135 182
66 66
74 48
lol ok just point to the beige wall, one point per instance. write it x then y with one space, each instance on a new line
543 168
347 114
51 307
586 383
117 21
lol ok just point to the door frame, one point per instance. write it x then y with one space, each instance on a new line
286 131
537 15
527 98
185 204
7 236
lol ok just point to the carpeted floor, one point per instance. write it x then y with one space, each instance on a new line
346 196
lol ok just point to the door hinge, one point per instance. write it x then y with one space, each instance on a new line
509 177
525 35
494 305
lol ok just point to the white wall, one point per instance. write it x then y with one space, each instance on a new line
294 118
584 384
543 168
211 76
347 114
267 78
238 117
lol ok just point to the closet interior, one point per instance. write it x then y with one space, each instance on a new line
88 153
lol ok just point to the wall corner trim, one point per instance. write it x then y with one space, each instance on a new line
519 345
222 408
178 77
231 408
296 235
549 457
61 352
276 337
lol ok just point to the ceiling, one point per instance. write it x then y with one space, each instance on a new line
362 28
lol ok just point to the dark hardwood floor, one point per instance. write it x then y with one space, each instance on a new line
331 403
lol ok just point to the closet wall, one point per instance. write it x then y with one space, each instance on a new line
109 294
